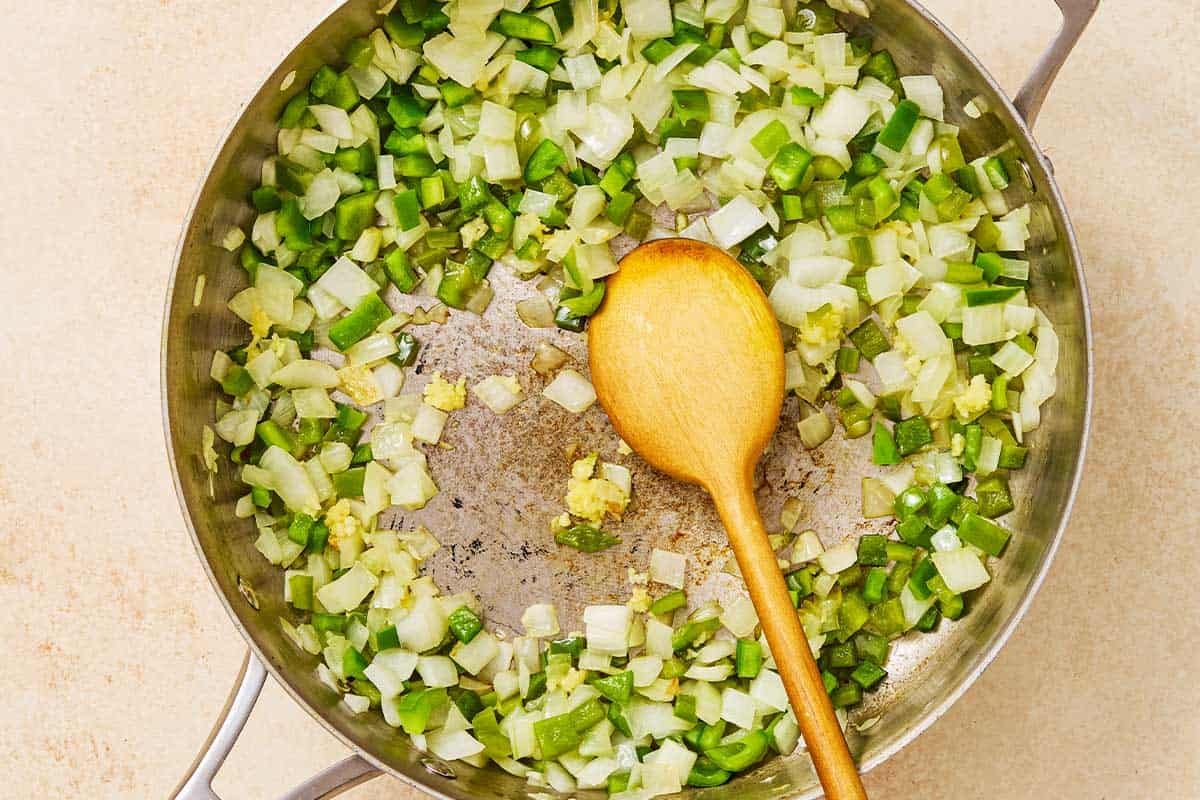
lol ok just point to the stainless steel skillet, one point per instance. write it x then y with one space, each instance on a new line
502 481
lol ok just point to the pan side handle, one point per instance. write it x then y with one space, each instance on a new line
1076 16
197 784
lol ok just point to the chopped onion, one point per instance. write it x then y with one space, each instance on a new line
540 620
547 358
571 390
667 567
960 569
348 591
838 558
500 393
536 312
345 281
607 628
815 429
735 221
877 498
1012 359
648 19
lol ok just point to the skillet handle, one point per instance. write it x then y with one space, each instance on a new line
197 784
1076 16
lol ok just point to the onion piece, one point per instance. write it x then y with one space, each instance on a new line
571 390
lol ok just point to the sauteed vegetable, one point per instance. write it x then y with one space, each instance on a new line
535 137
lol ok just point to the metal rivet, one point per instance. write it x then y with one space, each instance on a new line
1028 172
247 592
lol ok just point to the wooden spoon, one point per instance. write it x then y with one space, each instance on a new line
687 361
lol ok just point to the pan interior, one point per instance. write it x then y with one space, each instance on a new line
504 478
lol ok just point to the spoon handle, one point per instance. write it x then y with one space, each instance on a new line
793 658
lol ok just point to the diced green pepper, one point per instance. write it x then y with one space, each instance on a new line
740 754
523 26
748 658
354 214
983 533
618 688
869 340
544 161
359 323
872 550
912 434
900 125
586 538
883 446
415 708
868 674
669 602
300 590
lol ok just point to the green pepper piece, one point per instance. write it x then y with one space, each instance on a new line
354 214
770 138
869 339
740 754
585 304
983 533
237 381
874 585
524 26
996 173
748 658
1012 456
790 166
685 707
994 497
457 285
318 536
872 550
539 57
300 529
883 446
407 348
853 614
908 503
344 94
618 688
881 67
685 636
359 323
586 538
300 590
295 113
272 435
900 125
349 483
942 504
400 271
868 675
705 773
386 639
415 708
669 602
353 664
464 624
912 434
918 580
544 161
455 94
690 104
486 729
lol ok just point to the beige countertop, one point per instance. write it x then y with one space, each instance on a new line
120 655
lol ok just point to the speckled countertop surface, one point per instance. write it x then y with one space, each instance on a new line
119 655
